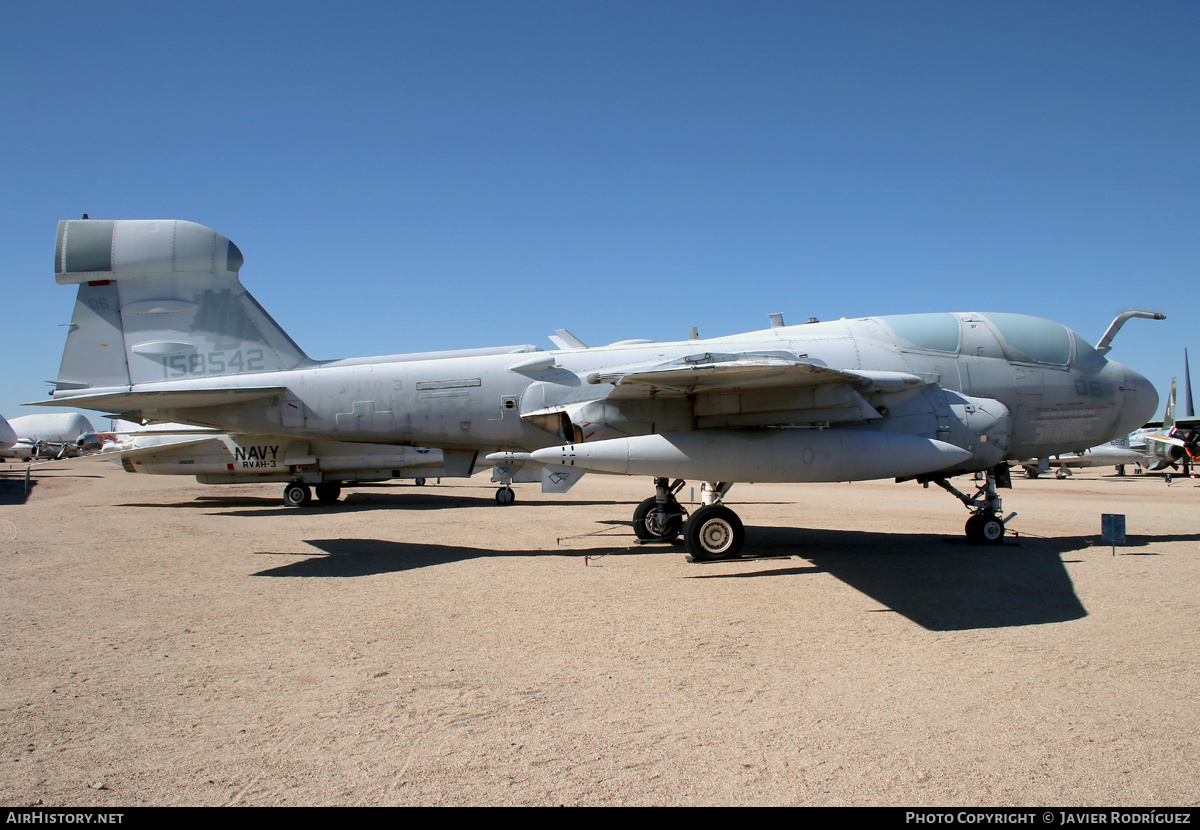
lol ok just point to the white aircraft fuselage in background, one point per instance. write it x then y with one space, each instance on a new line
7 436
49 435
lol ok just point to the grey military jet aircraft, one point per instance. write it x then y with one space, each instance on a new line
163 329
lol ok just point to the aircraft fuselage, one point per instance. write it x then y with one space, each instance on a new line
1075 399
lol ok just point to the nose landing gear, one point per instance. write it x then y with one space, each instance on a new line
985 527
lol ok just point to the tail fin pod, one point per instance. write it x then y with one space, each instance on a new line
161 300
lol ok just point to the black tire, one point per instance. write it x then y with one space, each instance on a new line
505 496
652 523
328 492
985 529
1031 473
971 528
714 532
297 494
419 481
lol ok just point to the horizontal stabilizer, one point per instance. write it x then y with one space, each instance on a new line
134 452
172 399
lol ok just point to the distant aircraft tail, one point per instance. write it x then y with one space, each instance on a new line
160 300
1169 412
1188 410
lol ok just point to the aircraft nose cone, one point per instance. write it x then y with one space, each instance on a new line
1139 402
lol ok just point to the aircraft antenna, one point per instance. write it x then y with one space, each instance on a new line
1105 343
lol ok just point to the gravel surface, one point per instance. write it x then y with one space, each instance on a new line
167 643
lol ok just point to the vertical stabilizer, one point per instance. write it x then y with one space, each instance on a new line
161 300
95 350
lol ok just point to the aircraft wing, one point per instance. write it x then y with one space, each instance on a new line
1170 440
744 375
756 390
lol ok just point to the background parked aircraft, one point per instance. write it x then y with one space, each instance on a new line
7 436
1115 453
53 435
1174 443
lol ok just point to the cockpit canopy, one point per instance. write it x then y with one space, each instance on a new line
1023 339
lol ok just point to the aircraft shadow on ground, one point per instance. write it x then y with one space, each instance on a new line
357 503
939 583
367 557
12 488
943 583
273 505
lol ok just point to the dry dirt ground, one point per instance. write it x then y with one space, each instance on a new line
169 643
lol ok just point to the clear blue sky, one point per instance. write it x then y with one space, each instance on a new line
406 176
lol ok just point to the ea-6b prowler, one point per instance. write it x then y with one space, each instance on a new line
164 330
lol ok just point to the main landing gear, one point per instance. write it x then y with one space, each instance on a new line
298 493
328 492
505 495
711 533
985 527
714 532
660 517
